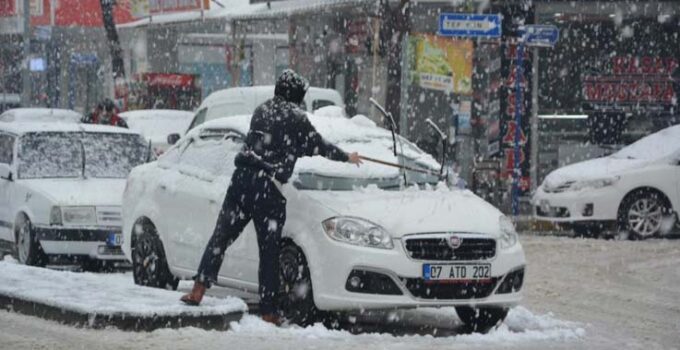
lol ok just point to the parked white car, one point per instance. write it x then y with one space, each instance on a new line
61 188
635 190
156 124
40 115
351 233
243 101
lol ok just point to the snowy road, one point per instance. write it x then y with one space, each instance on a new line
590 294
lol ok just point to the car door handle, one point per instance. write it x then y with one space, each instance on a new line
163 187
212 201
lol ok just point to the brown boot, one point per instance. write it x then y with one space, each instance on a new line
272 318
194 298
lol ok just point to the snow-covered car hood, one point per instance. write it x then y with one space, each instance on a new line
97 192
593 169
415 211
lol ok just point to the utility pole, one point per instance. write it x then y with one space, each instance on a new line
25 72
533 167
395 25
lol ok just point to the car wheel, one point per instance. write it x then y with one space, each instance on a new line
296 300
642 214
481 320
149 266
29 251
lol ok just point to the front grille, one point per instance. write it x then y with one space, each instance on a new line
435 249
420 288
553 212
109 216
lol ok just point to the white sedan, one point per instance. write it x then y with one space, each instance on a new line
353 239
60 190
635 190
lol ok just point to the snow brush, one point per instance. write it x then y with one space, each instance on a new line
400 166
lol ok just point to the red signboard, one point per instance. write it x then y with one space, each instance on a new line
168 79
78 13
644 79
8 8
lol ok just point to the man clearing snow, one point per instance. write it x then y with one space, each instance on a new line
279 134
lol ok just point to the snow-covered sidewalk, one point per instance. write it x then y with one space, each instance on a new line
105 295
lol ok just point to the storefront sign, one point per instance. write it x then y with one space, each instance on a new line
442 64
168 79
161 6
633 80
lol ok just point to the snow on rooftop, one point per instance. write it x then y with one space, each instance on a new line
102 294
243 9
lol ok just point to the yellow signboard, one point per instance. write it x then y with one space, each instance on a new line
441 63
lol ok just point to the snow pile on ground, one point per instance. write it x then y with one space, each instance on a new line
102 293
521 327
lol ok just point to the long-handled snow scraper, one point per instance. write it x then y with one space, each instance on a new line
400 166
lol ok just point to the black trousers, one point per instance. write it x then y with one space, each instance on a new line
252 195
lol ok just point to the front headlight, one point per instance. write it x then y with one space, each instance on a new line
594 184
508 234
357 231
79 215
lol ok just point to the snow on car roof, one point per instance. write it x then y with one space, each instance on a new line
22 128
40 115
157 124
155 114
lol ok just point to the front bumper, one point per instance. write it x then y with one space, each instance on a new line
400 281
584 206
95 243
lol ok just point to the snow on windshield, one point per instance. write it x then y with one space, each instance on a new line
659 145
60 154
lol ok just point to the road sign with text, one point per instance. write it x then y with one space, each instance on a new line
470 25
539 35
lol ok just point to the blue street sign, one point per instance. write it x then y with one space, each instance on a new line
539 35
470 25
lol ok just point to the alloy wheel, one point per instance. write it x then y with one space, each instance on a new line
24 245
645 216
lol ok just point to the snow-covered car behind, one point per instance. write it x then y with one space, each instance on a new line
40 115
61 187
243 101
353 239
156 124
635 190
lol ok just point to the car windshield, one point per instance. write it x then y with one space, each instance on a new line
320 174
60 155
228 109
655 146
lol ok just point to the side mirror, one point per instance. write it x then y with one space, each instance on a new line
5 172
173 138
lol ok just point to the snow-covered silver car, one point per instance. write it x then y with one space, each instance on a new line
353 238
60 189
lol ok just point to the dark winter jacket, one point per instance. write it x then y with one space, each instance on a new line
280 133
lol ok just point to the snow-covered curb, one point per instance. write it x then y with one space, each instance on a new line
103 294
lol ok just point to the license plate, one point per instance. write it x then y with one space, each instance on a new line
456 272
114 239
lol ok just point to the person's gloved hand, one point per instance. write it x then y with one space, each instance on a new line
354 158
